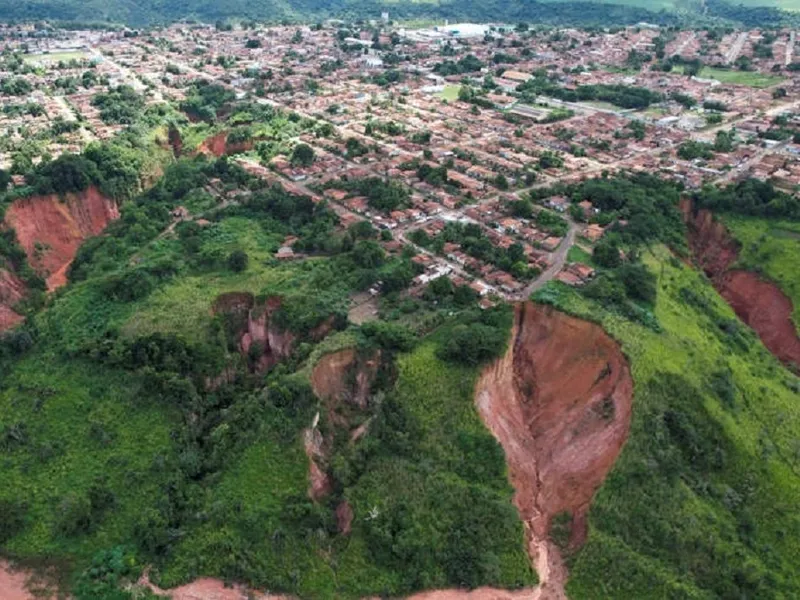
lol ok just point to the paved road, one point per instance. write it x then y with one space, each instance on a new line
736 47
559 258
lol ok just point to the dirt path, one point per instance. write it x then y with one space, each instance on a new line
12 583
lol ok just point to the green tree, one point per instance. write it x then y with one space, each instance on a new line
238 261
302 155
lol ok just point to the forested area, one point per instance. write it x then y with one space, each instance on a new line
751 197
555 13
624 96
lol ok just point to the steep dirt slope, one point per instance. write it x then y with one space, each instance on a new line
342 380
765 308
218 145
12 290
559 402
51 229
759 303
259 339
712 246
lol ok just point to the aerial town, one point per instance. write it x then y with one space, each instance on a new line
463 116
377 299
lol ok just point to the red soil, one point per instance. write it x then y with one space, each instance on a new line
757 302
338 378
12 290
13 584
344 517
331 383
208 589
765 308
217 145
712 246
559 402
58 227
273 344
23 584
8 318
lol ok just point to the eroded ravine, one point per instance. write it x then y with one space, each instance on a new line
51 228
559 403
759 303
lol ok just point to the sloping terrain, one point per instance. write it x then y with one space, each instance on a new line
12 290
771 248
51 229
702 499
559 402
760 303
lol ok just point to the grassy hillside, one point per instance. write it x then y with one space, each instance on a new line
772 248
119 453
702 501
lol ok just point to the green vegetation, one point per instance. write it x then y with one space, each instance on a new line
755 13
623 96
770 247
750 197
119 106
123 453
699 503
642 208
753 79
450 92
579 255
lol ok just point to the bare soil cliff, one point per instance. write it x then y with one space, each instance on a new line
218 145
12 290
51 229
259 340
343 381
759 303
559 403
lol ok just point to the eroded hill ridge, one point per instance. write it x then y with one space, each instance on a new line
51 228
759 303
559 403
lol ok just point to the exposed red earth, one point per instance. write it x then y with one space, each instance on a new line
50 229
338 378
13 583
218 145
12 290
559 403
756 301
260 340
17 583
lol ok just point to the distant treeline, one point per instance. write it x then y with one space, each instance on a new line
578 13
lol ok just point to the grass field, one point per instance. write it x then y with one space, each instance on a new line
771 248
578 254
601 105
450 92
701 501
54 57
749 78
